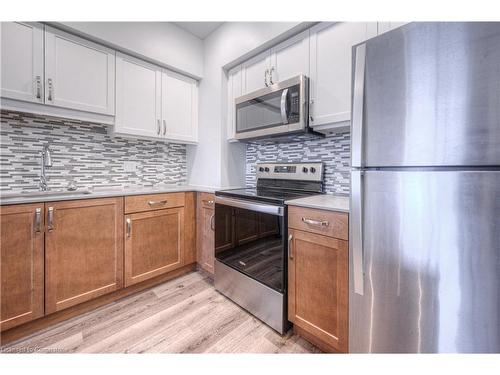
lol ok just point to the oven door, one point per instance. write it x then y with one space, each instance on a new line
278 109
250 238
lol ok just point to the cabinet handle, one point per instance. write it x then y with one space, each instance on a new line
315 222
164 127
311 102
38 220
51 90
290 237
212 222
265 77
158 127
154 203
208 203
129 227
271 75
38 81
50 219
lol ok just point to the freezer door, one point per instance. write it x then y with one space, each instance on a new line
431 96
430 263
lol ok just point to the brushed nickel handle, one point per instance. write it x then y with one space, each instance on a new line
158 127
311 102
315 222
51 90
154 203
50 219
212 222
38 81
38 220
164 127
129 227
208 202
290 237
271 75
265 77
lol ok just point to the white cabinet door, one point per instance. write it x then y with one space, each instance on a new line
330 84
233 91
179 107
138 97
383 27
290 58
79 74
255 72
22 61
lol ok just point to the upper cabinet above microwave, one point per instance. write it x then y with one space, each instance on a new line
68 72
286 60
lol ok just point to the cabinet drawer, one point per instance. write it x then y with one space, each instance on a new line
328 223
207 200
141 203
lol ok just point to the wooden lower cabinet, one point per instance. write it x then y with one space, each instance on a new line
83 251
154 243
318 288
205 231
21 263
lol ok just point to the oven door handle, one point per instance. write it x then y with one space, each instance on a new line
283 107
251 206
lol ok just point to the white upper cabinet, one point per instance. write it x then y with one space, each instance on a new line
22 61
384 27
290 58
330 77
138 97
179 107
234 90
255 72
79 74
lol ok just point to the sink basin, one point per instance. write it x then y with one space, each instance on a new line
50 193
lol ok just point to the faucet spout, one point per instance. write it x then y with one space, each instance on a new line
45 162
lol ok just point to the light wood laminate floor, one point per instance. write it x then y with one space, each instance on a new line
184 315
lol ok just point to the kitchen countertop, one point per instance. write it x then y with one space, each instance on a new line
105 192
327 202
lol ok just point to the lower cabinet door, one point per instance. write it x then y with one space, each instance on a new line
154 243
318 287
206 241
21 264
83 251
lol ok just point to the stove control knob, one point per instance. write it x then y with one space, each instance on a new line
305 170
313 170
261 169
266 169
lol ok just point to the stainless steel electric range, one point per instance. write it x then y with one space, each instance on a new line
251 238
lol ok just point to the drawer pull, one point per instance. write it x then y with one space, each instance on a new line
212 222
320 223
208 202
290 255
157 203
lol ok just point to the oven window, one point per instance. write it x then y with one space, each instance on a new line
262 112
252 243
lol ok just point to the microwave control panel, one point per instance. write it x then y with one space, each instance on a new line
294 104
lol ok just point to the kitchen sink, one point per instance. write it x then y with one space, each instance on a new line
50 193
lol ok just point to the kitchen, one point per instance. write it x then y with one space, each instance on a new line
250 187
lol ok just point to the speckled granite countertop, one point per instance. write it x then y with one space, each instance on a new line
322 202
103 192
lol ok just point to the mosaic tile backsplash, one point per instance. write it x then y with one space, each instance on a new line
333 151
82 152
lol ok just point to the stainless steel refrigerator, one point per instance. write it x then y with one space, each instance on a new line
425 199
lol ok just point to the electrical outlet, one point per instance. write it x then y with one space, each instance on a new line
130 166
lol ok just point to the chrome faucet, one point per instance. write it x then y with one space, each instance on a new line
45 162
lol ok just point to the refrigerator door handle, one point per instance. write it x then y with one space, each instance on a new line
357 231
358 105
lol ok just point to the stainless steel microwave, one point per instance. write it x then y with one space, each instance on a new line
279 109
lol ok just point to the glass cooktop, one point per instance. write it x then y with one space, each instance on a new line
276 196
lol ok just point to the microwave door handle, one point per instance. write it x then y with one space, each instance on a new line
283 106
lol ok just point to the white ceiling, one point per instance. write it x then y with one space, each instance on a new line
199 29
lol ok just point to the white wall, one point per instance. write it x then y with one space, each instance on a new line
160 42
215 161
